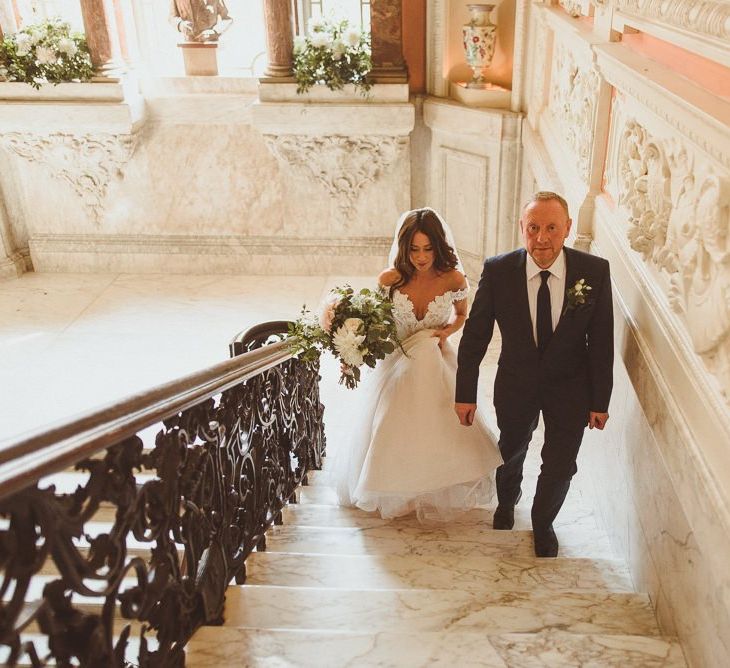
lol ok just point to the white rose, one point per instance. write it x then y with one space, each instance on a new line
24 44
315 25
352 324
320 39
45 55
67 46
338 49
352 37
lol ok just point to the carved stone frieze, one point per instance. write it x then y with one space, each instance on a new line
87 162
343 165
573 95
710 18
573 7
679 220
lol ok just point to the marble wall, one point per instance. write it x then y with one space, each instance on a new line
200 176
641 147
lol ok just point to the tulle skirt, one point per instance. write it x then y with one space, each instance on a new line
406 451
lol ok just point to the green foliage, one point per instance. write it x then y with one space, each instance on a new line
45 52
333 54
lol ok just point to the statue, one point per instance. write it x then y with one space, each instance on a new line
200 20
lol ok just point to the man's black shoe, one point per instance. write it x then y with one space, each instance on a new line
546 542
504 515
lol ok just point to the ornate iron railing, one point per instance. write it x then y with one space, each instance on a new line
190 474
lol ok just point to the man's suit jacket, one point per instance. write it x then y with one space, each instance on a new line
575 373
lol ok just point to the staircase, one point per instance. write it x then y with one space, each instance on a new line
341 587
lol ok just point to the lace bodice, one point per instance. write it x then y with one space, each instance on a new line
437 315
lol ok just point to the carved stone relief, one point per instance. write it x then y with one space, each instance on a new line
573 95
343 165
86 162
709 17
679 220
573 7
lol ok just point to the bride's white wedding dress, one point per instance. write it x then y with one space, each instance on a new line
406 450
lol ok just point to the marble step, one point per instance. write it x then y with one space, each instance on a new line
223 646
326 515
476 574
409 610
421 540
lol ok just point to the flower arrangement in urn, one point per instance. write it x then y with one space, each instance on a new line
333 54
356 328
479 36
46 52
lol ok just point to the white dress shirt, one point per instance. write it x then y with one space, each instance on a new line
556 283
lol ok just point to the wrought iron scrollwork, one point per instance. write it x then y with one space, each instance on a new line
198 495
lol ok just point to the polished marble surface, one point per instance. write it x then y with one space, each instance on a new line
475 574
284 648
402 610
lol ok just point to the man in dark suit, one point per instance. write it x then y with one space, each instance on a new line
555 314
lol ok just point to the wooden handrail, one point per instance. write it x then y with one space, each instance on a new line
50 450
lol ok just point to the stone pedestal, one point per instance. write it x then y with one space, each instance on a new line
487 95
200 58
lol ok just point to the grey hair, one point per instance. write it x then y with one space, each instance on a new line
545 196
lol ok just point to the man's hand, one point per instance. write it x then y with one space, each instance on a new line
466 413
186 28
597 420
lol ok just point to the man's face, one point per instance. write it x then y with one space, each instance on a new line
544 227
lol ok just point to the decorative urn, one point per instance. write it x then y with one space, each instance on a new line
479 37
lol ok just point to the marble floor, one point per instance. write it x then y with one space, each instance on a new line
69 342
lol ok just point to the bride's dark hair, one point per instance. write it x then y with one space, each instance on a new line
426 221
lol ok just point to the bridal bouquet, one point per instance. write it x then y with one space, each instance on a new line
357 328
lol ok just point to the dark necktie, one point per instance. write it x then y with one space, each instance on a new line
544 313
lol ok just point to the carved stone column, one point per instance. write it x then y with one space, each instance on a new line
386 28
279 38
101 36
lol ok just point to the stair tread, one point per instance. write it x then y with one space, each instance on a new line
435 572
262 607
417 540
218 646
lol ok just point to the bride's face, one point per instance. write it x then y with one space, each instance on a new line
421 254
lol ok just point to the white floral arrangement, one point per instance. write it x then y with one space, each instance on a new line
46 52
357 328
333 54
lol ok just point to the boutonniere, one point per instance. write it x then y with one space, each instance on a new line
577 296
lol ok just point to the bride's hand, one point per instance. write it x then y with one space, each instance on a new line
442 335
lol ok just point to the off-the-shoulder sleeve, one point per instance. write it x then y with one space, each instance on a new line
458 295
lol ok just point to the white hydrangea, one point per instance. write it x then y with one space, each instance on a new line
347 343
67 46
320 39
45 55
352 37
338 49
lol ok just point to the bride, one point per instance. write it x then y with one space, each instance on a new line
407 451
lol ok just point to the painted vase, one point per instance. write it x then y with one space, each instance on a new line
479 37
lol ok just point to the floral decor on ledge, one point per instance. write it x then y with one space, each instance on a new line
333 54
45 52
